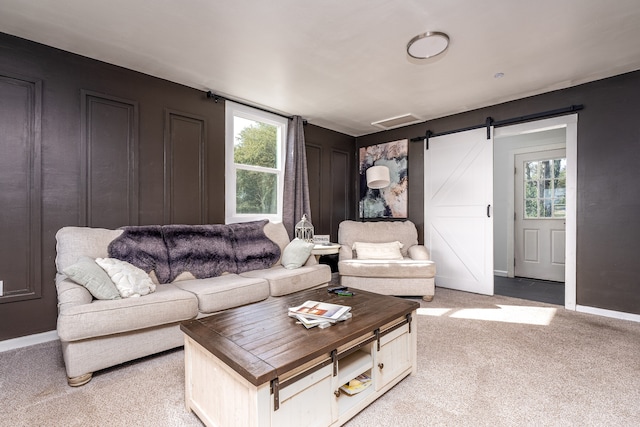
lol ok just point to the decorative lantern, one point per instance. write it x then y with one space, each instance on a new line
304 229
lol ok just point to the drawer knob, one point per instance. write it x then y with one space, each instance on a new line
381 365
337 393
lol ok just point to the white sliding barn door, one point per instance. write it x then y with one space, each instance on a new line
458 173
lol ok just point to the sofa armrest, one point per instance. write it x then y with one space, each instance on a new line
419 252
346 252
71 294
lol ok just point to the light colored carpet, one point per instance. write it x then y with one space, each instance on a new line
482 361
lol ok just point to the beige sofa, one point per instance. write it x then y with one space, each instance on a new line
96 334
409 273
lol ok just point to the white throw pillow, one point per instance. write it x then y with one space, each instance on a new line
390 250
130 280
296 253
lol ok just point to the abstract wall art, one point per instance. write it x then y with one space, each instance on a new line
389 202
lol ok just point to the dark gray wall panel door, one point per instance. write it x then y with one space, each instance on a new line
20 189
340 181
185 200
109 166
314 159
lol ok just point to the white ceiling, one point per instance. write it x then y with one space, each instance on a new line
342 64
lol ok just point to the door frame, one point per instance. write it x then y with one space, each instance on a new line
570 123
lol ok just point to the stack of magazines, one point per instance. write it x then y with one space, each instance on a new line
323 314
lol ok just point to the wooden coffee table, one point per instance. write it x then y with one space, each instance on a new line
254 366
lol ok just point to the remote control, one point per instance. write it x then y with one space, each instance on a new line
345 293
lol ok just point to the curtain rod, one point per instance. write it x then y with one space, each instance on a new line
217 97
497 123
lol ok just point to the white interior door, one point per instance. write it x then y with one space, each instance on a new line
458 218
540 211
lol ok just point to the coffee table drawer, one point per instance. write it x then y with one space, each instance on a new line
307 402
394 357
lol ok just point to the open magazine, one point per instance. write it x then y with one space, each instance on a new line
321 310
314 313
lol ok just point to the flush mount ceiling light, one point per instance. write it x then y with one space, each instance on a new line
427 45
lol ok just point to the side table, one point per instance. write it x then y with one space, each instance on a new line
325 249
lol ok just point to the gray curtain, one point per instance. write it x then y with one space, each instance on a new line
296 180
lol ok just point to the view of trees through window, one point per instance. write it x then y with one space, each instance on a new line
545 183
256 157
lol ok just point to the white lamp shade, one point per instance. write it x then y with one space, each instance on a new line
378 177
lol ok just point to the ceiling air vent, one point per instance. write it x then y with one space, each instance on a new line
394 122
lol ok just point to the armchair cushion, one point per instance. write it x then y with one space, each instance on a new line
405 268
350 232
388 251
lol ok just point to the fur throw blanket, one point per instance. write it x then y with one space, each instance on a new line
144 247
202 250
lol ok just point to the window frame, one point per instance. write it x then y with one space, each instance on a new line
232 110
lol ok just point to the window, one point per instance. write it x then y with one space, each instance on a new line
545 183
255 147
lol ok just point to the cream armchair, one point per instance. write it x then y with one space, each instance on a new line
385 257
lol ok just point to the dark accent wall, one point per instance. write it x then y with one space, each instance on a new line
83 142
20 187
108 160
185 167
608 194
330 162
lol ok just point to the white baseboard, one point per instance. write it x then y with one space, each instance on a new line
608 313
28 340
500 273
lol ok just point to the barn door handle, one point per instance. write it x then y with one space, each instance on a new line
488 211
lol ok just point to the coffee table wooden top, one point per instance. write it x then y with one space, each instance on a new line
260 341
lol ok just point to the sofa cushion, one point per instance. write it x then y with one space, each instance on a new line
226 291
144 247
391 269
296 253
129 279
283 281
387 251
72 243
167 304
89 274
